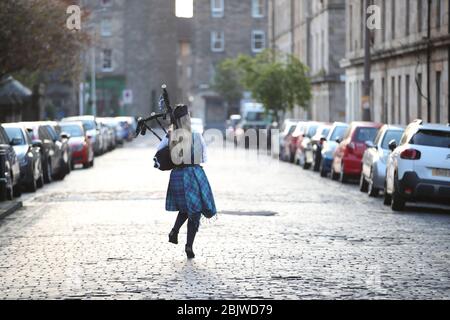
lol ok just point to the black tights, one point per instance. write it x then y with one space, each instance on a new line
191 228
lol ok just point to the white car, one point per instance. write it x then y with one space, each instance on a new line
197 125
418 169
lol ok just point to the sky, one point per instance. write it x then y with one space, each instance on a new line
184 8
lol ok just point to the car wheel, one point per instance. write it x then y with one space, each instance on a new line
363 185
3 192
48 172
91 164
387 197
32 186
40 181
323 173
342 176
372 191
398 202
306 165
316 163
17 191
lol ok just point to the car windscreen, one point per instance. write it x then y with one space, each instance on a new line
389 136
312 131
339 132
88 125
73 130
255 116
364 134
432 138
325 132
16 134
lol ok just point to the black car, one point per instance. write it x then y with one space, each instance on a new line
29 155
9 169
54 156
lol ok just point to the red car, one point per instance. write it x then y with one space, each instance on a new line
80 144
291 140
348 155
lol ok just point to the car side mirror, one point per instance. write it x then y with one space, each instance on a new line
392 145
338 140
37 143
370 144
16 142
65 135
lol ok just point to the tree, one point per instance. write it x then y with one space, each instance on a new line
278 81
227 82
34 38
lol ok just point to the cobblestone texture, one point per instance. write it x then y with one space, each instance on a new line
281 232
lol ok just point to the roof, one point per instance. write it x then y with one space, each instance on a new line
12 92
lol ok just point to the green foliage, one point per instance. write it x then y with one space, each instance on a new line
278 81
227 81
35 38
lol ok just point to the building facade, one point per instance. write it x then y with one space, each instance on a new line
135 49
314 31
222 29
400 91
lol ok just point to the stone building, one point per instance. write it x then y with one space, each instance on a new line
399 61
135 53
314 31
222 29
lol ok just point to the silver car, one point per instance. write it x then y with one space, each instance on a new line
374 161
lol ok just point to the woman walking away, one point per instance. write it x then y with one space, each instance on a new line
189 191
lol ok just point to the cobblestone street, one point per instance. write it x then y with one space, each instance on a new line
281 232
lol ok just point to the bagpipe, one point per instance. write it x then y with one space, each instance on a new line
162 158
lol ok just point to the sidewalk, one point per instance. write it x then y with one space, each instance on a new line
9 207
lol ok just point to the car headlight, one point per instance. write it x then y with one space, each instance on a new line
23 161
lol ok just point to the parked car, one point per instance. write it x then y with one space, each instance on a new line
90 127
418 169
53 155
29 155
349 153
287 128
10 172
304 150
373 172
317 143
336 133
231 126
80 144
131 125
197 125
110 133
61 136
290 146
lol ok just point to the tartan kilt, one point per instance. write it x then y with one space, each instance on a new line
189 192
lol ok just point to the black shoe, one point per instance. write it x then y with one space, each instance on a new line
173 237
189 252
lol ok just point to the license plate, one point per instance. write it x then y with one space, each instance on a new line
441 173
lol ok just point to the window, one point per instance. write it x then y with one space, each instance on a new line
419 95
431 138
107 64
217 41
257 8
419 15
393 16
438 14
438 97
258 41
408 12
217 8
106 3
389 136
407 99
399 105
106 27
